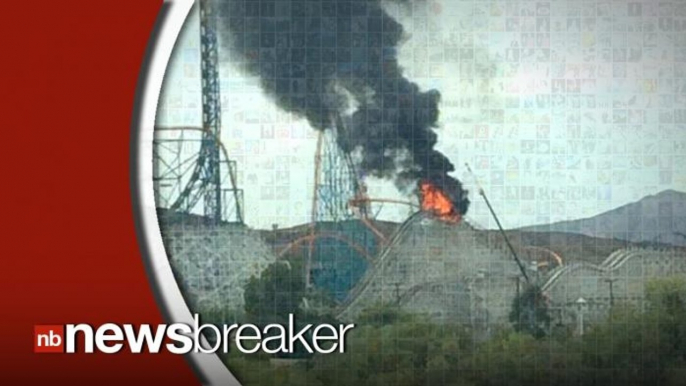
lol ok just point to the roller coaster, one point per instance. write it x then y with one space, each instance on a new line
193 175
621 276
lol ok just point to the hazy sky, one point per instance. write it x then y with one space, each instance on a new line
564 109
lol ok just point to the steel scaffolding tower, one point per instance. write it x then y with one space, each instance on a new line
205 182
335 185
337 182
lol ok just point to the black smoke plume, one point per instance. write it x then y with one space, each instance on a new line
321 58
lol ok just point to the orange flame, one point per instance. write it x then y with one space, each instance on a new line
435 201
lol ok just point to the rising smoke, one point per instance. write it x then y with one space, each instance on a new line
321 58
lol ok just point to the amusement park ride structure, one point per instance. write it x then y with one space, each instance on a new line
187 176
193 173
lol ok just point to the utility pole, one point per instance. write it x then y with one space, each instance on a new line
581 302
611 281
274 228
518 309
519 305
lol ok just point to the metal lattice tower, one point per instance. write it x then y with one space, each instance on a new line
335 186
205 182
337 182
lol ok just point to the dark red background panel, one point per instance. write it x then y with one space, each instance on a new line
69 251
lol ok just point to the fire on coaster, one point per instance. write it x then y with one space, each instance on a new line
436 202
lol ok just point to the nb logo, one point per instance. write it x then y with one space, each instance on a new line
48 338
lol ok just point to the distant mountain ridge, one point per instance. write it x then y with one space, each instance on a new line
659 218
